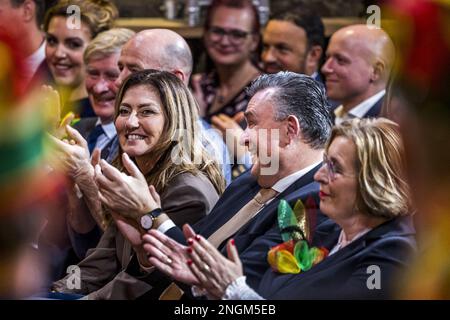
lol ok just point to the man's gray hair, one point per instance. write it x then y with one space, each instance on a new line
300 96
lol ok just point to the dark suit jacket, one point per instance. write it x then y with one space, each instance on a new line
375 110
81 107
85 127
345 274
254 239
42 76
186 199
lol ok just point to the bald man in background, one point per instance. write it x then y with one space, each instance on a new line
357 68
159 49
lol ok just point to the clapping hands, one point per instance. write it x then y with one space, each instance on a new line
127 195
72 154
199 263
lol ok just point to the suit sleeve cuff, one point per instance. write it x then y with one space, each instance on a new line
166 225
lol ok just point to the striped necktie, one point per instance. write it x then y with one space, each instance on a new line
93 136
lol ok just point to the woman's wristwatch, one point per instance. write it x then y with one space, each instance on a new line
148 219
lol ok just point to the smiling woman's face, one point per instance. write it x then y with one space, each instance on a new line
64 51
338 180
140 121
238 24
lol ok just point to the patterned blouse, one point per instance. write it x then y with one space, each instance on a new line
209 84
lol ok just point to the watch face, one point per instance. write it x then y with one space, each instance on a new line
146 222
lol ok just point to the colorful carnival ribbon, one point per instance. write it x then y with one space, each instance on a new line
294 254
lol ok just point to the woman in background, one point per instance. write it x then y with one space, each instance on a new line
232 36
66 43
231 39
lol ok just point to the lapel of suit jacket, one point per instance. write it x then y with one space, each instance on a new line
397 227
278 281
240 192
41 76
375 110
272 208
85 126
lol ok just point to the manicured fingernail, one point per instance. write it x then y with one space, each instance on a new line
232 242
189 250
197 237
190 241
189 262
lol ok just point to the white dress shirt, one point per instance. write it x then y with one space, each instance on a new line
342 241
33 62
359 110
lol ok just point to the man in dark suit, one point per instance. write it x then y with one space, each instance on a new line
20 19
357 69
288 125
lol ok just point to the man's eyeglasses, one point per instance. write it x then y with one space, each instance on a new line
235 36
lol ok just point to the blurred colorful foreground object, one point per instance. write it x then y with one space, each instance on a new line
22 134
422 35
294 254
26 186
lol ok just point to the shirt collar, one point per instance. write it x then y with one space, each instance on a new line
342 241
110 128
285 182
359 110
35 59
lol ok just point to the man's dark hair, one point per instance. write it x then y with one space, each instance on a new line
40 9
306 19
301 96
